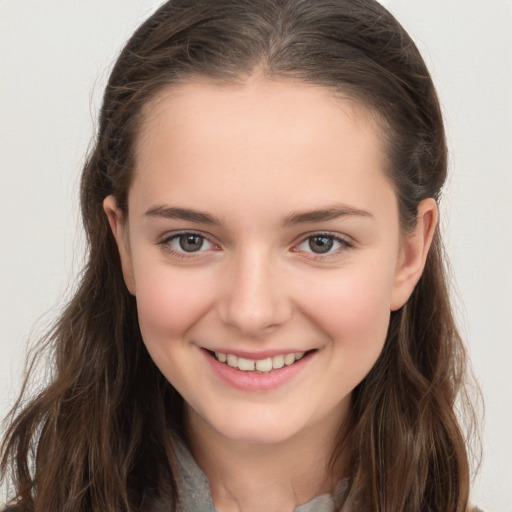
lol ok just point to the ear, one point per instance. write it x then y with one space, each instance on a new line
119 227
413 253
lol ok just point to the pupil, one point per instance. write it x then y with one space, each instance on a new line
321 244
191 243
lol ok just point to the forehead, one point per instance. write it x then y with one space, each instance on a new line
256 138
252 103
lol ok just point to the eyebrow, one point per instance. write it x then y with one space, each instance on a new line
293 219
166 212
324 214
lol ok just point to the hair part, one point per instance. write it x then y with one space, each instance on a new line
97 438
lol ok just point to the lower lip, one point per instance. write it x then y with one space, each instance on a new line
252 381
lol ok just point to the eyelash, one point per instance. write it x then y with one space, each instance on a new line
167 247
344 244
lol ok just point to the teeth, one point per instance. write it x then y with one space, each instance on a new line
264 365
277 362
261 365
221 357
246 364
289 359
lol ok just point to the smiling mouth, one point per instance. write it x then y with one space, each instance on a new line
266 365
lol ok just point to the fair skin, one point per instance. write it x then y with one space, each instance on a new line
260 225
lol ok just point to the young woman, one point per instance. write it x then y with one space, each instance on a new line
263 322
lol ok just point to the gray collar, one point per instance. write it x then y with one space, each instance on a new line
194 489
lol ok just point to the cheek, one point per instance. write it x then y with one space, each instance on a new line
352 308
169 302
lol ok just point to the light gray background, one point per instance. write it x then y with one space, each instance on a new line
54 60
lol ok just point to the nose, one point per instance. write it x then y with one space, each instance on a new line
255 300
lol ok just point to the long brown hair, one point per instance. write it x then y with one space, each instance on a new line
97 437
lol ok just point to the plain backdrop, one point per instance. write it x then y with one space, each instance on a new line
55 56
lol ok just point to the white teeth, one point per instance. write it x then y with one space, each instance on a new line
245 364
261 365
289 359
221 357
277 362
264 365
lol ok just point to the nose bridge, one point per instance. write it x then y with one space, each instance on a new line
255 299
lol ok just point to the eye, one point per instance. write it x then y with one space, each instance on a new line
187 242
320 244
323 243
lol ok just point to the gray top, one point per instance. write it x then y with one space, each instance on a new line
194 490
195 496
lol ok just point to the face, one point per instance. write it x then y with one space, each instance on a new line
262 244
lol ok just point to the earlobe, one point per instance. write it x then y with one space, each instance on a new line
118 226
414 252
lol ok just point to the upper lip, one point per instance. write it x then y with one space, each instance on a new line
248 354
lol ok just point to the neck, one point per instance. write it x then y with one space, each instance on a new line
284 474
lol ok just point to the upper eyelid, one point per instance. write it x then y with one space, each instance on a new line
166 244
298 240
173 234
345 245
165 240
336 236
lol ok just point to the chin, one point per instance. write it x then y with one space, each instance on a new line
250 430
257 436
